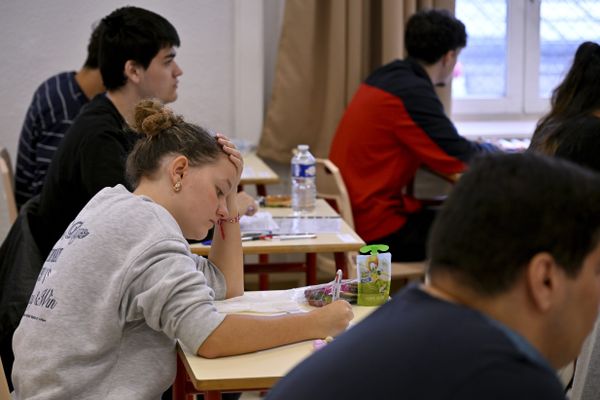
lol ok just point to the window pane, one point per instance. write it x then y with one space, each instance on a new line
481 67
564 25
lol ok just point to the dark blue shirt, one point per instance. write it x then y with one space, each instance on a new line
55 104
420 347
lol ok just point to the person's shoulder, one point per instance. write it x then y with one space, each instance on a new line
148 215
100 106
403 78
51 85
97 117
47 91
511 378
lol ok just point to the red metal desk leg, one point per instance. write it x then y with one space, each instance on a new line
261 190
212 395
263 278
180 385
311 268
340 263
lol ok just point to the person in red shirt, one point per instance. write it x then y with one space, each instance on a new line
395 124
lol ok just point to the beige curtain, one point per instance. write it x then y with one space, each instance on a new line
326 49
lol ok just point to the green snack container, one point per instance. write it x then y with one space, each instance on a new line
374 275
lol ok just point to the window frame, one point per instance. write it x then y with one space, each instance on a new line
522 68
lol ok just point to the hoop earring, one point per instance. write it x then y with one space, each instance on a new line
177 186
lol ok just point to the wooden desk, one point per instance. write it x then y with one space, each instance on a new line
338 243
256 172
253 371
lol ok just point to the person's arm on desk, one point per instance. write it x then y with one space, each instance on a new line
260 332
226 247
247 205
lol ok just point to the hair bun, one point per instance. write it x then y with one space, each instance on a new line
152 117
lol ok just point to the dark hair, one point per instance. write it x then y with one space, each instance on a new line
131 33
578 94
93 48
580 141
506 209
166 133
430 34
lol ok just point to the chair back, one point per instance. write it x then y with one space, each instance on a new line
8 206
4 392
331 187
5 155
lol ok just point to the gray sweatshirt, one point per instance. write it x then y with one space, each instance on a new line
113 295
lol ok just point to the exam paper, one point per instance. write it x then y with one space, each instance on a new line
259 222
265 302
264 221
308 224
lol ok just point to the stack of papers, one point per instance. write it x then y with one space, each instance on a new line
263 221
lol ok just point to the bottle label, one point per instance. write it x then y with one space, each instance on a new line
304 171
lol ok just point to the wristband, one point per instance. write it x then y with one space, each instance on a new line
231 220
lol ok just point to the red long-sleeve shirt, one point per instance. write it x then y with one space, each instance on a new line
394 124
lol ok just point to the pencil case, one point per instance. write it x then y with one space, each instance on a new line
321 295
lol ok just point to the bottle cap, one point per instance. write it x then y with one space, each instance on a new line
374 248
302 147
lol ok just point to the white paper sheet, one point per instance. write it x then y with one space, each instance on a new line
308 224
265 302
264 221
261 221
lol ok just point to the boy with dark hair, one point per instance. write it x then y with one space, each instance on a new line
512 295
56 103
430 35
395 124
136 60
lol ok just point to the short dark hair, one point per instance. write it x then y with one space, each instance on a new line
506 209
132 33
93 48
166 133
430 34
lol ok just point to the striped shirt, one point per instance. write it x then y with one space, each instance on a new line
55 104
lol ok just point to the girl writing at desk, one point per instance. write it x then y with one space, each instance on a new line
121 285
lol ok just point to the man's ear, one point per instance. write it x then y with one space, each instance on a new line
544 280
178 167
132 71
449 57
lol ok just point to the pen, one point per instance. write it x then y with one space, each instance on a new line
295 236
309 217
337 283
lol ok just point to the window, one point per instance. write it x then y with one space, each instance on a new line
518 51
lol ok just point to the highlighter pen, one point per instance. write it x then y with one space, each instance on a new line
258 237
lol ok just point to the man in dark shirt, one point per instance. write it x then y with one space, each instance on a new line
395 124
55 104
512 294
137 60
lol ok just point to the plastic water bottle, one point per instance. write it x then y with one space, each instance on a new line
304 190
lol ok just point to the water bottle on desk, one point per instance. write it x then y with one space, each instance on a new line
304 190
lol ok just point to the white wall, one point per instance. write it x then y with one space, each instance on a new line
221 54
